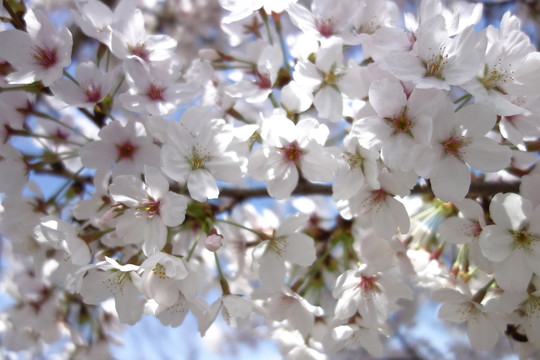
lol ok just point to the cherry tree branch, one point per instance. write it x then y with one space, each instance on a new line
477 188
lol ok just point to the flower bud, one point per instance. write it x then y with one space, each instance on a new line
213 241
209 54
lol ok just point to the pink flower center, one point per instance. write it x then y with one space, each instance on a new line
45 57
126 150
368 284
454 145
291 153
473 230
378 196
148 208
61 134
263 81
92 93
401 124
325 27
139 50
155 93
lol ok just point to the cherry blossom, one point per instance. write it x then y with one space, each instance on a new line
41 54
286 244
391 156
482 326
124 148
196 154
287 149
93 86
512 242
151 208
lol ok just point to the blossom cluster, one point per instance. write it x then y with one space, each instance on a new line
400 150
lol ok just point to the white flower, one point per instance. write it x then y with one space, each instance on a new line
327 80
154 90
151 208
166 278
466 229
482 326
39 54
125 148
403 122
325 19
459 140
269 59
299 313
96 20
113 279
359 333
196 153
385 212
62 236
438 61
93 86
129 39
285 245
355 165
513 242
287 149
511 68
370 290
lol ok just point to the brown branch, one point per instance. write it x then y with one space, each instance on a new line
477 188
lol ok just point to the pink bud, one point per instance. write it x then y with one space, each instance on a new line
213 241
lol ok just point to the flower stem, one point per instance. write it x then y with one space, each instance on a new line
190 254
222 281
264 16
277 23
63 187
261 235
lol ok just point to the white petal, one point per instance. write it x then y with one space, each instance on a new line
387 97
173 209
329 103
300 249
483 335
486 155
496 242
202 185
513 274
451 180
510 211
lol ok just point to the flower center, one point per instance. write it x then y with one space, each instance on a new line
159 271
368 284
523 239
291 153
44 57
198 158
116 282
355 160
93 93
496 77
436 64
139 50
148 208
378 196
473 230
401 124
126 150
263 80
278 246
454 146
155 93
325 27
